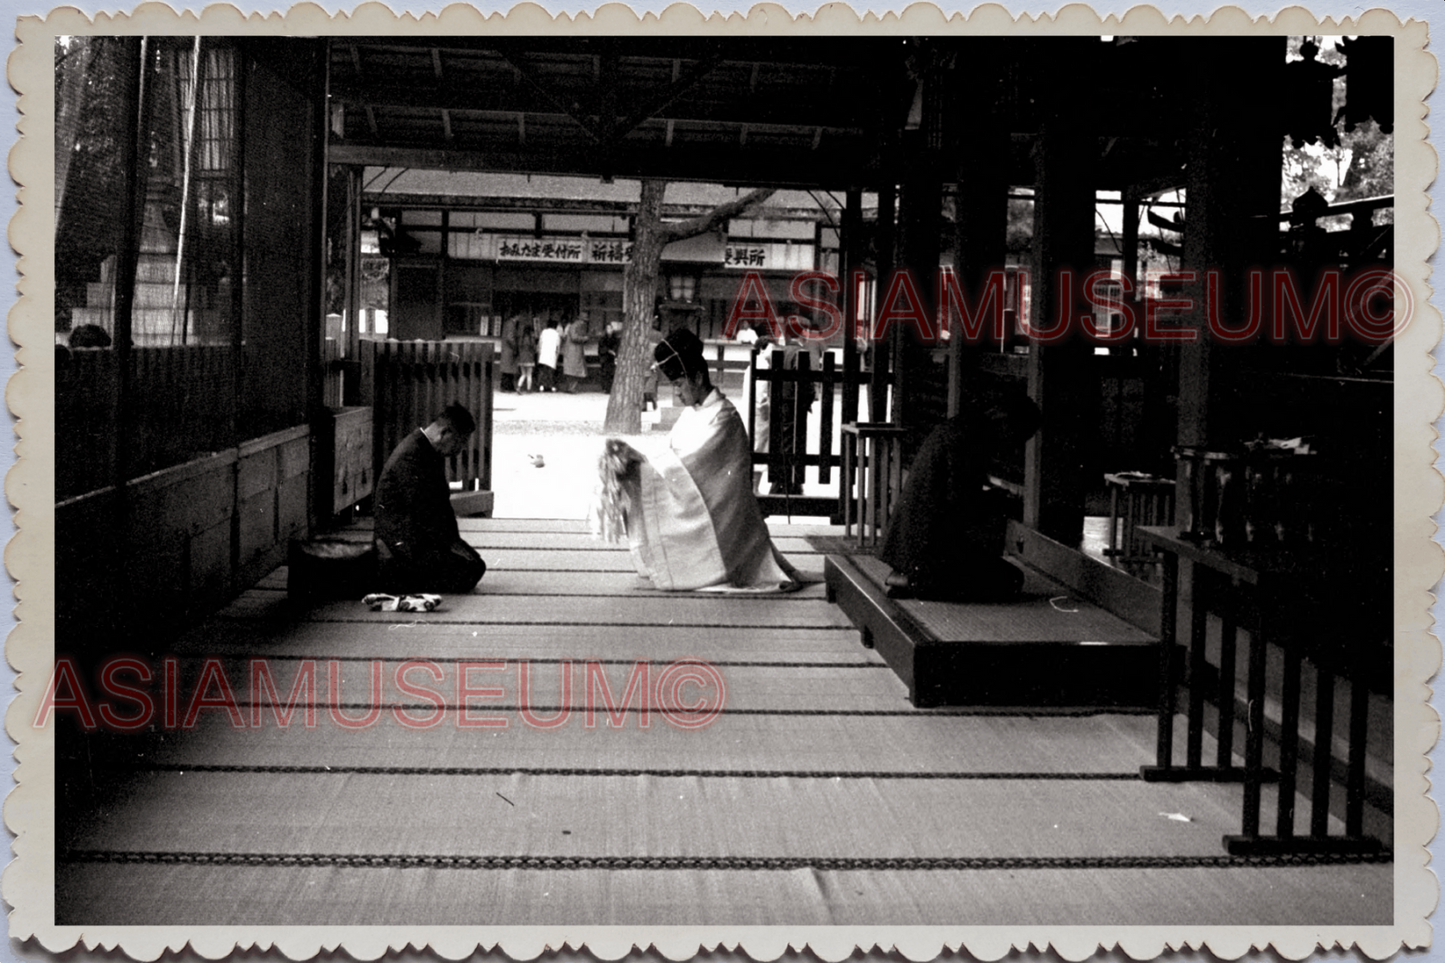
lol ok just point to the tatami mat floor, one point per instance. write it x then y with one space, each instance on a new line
815 794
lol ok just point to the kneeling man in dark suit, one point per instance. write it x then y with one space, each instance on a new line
418 546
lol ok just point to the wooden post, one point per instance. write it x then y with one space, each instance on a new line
1233 219
979 243
848 261
918 247
880 347
318 415
1058 469
1129 240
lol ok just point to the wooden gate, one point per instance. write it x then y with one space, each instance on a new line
793 385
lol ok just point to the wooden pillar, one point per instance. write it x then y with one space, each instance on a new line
1232 219
849 259
918 251
317 414
920 400
1129 239
1059 471
980 142
882 350
353 264
979 243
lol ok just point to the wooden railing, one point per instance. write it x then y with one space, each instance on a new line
408 383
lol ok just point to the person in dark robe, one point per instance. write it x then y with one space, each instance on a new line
945 540
607 347
418 545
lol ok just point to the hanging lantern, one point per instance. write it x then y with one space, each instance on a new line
1310 92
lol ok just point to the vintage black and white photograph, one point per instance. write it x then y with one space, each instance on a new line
895 478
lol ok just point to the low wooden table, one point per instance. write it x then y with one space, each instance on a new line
1247 589
1048 648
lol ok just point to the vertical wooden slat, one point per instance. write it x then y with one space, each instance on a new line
1168 627
1198 627
1228 644
1355 772
1288 741
775 412
825 422
1324 736
1254 730
802 402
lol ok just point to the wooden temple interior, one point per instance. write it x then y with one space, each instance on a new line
211 206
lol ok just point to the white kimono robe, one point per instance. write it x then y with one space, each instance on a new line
693 522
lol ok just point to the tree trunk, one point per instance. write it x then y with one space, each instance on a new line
639 294
639 286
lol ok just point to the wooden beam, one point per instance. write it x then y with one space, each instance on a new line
804 113
753 166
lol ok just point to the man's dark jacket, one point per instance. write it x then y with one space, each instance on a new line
418 544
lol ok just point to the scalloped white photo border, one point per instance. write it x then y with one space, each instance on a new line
28 880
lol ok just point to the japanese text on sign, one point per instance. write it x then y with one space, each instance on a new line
745 256
539 251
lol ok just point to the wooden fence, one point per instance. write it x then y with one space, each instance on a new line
791 391
408 383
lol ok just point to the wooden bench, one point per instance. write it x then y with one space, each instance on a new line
1050 648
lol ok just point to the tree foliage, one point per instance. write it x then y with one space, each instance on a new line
1360 164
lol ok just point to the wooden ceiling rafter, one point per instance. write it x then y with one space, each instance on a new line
538 82
521 101
674 103
755 166
681 84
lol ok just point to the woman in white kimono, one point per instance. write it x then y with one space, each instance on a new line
691 519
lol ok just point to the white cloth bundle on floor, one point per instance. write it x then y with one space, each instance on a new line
423 602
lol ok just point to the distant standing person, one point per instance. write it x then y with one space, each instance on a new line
418 545
781 409
526 356
607 346
574 358
508 362
549 344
